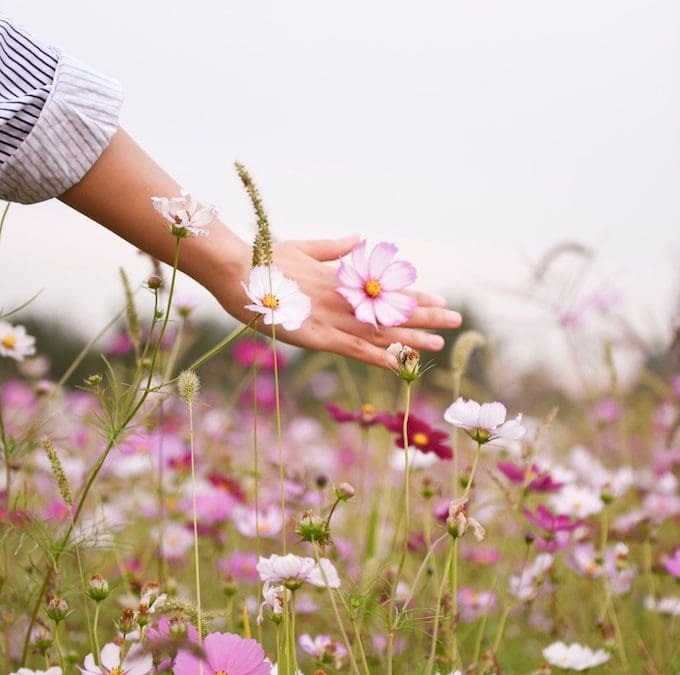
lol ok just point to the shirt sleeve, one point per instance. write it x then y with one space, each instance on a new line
57 116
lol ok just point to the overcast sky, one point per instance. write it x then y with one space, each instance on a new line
474 135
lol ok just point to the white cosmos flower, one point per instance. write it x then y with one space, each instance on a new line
15 342
574 656
669 605
135 662
183 215
317 577
278 298
577 501
484 422
416 459
288 569
54 670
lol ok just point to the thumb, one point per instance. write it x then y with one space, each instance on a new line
328 249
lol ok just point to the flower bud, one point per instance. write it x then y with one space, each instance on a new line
154 282
408 361
93 380
344 491
126 622
57 609
313 528
41 638
177 628
98 588
188 386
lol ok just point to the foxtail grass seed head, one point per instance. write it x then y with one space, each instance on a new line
58 471
98 588
263 250
57 608
188 386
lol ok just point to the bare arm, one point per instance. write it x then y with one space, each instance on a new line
117 192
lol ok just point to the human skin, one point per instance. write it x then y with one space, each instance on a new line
116 192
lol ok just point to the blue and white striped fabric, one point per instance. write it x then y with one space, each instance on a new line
56 117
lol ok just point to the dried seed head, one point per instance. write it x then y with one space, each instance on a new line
188 386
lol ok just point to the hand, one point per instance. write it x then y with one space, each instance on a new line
332 326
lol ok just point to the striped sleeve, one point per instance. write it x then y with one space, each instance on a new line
56 117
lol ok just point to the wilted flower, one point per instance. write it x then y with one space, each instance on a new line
15 343
57 609
276 297
408 361
485 422
458 521
372 286
183 215
273 601
136 662
574 656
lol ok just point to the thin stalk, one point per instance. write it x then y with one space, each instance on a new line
501 629
197 566
437 609
350 652
93 644
279 441
95 630
97 468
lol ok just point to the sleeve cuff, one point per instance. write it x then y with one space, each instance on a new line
76 124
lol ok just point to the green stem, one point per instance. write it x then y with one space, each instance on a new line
279 440
437 609
95 631
57 646
197 566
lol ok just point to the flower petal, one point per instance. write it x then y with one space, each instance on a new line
386 313
365 312
110 656
353 295
359 260
381 257
492 415
348 275
398 275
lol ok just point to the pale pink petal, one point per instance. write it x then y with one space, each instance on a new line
365 313
110 656
491 415
381 257
386 313
251 295
258 308
286 288
464 414
359 260
258 282
90 665
348 276
512 429
397 275
405 304
275 279
188 664
296 310
353 295
137 662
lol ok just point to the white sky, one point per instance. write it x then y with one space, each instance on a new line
473 134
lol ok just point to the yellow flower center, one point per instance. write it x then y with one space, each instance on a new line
117 671
419 438
263 528
372 288
221 672
270 301
9 341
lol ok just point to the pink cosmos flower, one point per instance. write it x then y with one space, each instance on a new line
544 519
323 648
249 352
366 416
672 564
225 653
268 524
242 566
531 477
473 604
276 297
372 286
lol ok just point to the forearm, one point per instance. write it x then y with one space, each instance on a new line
117 191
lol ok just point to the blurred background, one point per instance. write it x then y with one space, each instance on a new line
477 136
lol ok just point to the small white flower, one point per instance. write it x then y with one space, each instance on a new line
416 459
574 656
272 600
669 605
54 670
183 215
484 422
278 298
136 662
15 343
291 570
525 586
577 501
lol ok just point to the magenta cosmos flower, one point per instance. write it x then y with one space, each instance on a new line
372 285
419 435
225 653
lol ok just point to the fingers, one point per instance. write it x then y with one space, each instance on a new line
426 299
358 348
434 318
327 249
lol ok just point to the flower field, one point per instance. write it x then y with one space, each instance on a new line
252 509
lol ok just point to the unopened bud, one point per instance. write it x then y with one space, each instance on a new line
313 528
126 622
93 380
57 609
344 491
177 628
98 588
41 638
154 281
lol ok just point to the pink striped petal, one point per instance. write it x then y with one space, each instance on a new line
348 276
365 313
381 257
359 260
353 295
392 309
398 275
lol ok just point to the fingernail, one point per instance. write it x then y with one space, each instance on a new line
435 342
454 317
